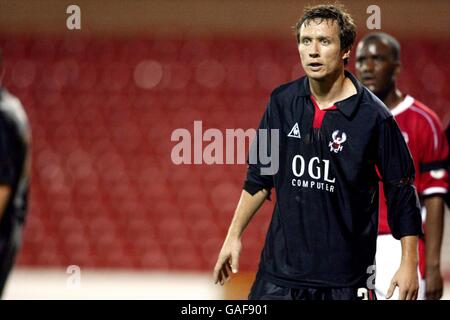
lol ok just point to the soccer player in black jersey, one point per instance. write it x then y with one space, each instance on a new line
14 177
336 141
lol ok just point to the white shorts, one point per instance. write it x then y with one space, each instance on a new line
387 259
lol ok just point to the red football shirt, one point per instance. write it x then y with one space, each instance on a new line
427 142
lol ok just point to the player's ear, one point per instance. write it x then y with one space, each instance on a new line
347 53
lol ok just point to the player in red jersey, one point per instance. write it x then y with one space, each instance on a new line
377 65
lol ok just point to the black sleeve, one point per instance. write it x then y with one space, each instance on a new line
257 179
396 167
6 163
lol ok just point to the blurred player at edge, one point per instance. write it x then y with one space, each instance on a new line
15 138
377 65
447 132
333 133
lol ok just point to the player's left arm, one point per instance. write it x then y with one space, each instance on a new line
6 167
406 277
433 242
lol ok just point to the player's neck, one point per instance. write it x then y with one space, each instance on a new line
393 98
332 89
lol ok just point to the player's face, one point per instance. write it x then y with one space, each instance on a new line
320 49
376 67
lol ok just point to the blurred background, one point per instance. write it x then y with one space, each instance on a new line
103 102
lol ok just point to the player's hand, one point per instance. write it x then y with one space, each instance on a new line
407 280
434 284
228 260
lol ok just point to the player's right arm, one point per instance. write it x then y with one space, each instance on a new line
5 192
228 260
432 186
257 187
6 168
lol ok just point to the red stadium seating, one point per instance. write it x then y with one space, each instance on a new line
105 192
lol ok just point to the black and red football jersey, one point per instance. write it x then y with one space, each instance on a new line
325 221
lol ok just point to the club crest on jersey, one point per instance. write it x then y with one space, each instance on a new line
338 140
295 132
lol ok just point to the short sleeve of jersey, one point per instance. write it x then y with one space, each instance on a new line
258 175
6 164
433 177
396 167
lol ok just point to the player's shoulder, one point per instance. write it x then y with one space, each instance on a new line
288 90
417 116
423 111
11 108
8 101
371 103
